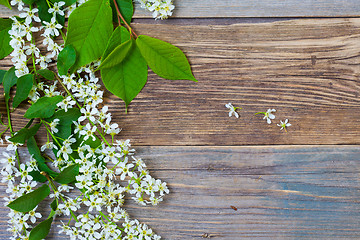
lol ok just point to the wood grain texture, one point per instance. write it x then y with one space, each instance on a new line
252 8
293 192
308 69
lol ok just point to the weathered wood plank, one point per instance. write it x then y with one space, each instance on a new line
280 192
253 8
308 69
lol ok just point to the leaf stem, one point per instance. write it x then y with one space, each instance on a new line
11 129
122 18
32 54
107 218
7 127
48 3
8 115
67 91
54 188
48 157
52 135
118 17
32 42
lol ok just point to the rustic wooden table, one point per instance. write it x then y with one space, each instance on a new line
300 57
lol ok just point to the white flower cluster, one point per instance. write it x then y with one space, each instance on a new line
103 166
19 182
22 40
161 9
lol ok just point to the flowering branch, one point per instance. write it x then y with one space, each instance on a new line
77 125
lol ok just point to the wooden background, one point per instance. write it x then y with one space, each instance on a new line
300 57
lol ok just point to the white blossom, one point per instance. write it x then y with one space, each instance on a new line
232 110
52 28
284 125
53 125
56 9
29 15
32 215
19 2
268 115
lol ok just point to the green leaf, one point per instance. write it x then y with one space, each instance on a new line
43 108
68 175
5 23
44 14
126 8
47 74
5 3
37 176
117 55
119 36
28 2
66 121
52 213
29 123
60 19
89 29
42 230
126 79
5 48
29 201
90 142
35 152
54 204
24 134
165 59
66 59
2 74
9 80
23 87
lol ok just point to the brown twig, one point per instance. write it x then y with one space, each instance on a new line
122 18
